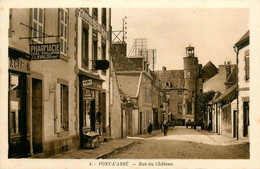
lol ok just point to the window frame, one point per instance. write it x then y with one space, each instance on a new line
85 58
63 104
36 21
63 30
247 65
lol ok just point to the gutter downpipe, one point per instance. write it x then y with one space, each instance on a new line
237 52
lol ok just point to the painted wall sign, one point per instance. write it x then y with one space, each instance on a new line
19 64
96 26
45 51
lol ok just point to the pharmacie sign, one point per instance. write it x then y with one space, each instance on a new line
45 51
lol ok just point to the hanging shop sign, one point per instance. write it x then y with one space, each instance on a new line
45 51
87 83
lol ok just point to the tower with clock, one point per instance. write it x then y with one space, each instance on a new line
191 71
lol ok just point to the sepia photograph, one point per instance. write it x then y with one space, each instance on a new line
127 87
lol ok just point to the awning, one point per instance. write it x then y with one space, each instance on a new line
228 94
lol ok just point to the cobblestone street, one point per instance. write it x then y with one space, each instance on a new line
182 143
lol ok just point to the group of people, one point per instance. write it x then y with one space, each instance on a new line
164 127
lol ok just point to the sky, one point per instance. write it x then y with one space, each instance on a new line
212 31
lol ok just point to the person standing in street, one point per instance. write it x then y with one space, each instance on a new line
165 128
150 127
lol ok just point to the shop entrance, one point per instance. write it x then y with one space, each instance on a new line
18 146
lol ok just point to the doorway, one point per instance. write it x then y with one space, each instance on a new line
246 118
17 136
37 116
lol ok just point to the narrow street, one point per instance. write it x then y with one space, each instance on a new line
182 143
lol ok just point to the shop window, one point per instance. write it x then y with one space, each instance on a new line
38 24
247 65
63 30
85 48
64 113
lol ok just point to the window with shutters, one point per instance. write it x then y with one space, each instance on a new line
63 30
247 65
38 24
64 113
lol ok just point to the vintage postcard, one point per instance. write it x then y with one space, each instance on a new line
129 84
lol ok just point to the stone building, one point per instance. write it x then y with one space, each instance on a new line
242 116
183 88
217 82
229 110
42 87
93 44
57 89
141 86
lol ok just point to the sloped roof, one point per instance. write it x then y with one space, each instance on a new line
128 83
209 70
244 41
175 77
228 94
120 61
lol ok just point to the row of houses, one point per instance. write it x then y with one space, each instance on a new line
67 80
228 111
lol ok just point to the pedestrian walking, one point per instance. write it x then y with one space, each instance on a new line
165 128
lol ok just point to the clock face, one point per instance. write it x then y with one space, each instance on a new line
188 73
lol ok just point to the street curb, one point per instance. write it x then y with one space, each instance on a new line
104 155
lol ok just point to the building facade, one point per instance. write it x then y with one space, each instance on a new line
93 44
243 62
141 86
58 78
42 94
183 88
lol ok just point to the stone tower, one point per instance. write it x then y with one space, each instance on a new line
191 69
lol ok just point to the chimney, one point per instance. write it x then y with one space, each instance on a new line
228 68
163 68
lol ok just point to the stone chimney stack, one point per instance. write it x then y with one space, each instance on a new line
228 68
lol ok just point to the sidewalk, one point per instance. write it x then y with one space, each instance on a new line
104 149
